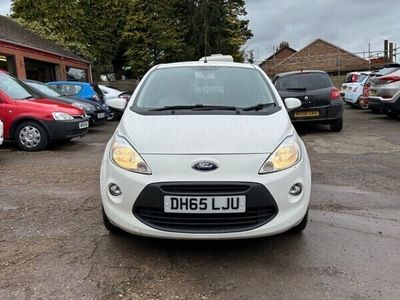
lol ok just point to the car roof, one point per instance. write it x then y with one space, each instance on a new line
203 64
69 82
32 81
300 72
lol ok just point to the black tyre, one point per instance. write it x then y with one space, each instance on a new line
336 125
110 226
31 136
361 104
392 114
301 226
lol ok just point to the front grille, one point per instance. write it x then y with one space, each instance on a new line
260 208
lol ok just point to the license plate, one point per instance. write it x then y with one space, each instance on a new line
101 115
83 125
304 114
204 205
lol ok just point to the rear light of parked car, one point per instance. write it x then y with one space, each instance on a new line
335 94
388 79
366 90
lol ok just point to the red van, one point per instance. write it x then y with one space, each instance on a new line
33 122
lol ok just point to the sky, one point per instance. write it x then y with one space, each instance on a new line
350 24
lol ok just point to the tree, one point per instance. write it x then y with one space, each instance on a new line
90 28
153 33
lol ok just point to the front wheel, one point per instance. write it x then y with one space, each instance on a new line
110 226
301 226
31 136
336 125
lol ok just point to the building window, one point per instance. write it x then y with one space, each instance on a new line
40 70
75 74
7 63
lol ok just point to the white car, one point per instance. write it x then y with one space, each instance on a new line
206 151
353 91
1 132
110 94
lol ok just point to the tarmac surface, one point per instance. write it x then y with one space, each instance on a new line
53 243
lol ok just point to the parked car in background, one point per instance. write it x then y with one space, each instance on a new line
354 91
87 91
384 91
111 93
93 109
34 121
351 77
1 132
321 100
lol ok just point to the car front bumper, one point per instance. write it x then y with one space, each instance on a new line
95 120
62 130
121 210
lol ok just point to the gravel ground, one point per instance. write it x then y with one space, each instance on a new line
53 244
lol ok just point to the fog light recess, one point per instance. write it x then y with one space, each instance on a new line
115 190
296 189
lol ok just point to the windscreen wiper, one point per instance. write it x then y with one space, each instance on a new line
195 107
259 106
28 97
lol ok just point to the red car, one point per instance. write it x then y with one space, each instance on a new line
32 122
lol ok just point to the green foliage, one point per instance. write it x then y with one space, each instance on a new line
136 32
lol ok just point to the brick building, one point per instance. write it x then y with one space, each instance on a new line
27 55
280 55
319 55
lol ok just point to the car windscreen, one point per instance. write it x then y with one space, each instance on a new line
204 85
13 88
304 81
45 89
97 89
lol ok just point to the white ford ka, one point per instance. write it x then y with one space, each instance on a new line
206 150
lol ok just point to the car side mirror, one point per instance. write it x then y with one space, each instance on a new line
117 103
292 104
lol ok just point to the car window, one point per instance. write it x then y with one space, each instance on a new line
70 90
386 71
13 88
351 77
211 85
44 89
307 81
362 77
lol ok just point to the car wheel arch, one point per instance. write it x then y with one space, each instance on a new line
21 120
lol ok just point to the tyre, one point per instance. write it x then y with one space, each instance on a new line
301 226
31 136
391 114
112 116
336 125
110 226
361 104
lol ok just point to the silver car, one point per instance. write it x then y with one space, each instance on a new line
384 94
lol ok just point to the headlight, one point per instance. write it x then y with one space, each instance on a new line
82 106
61 116
285 156
124 156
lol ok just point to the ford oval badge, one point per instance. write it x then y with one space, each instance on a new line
205 166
